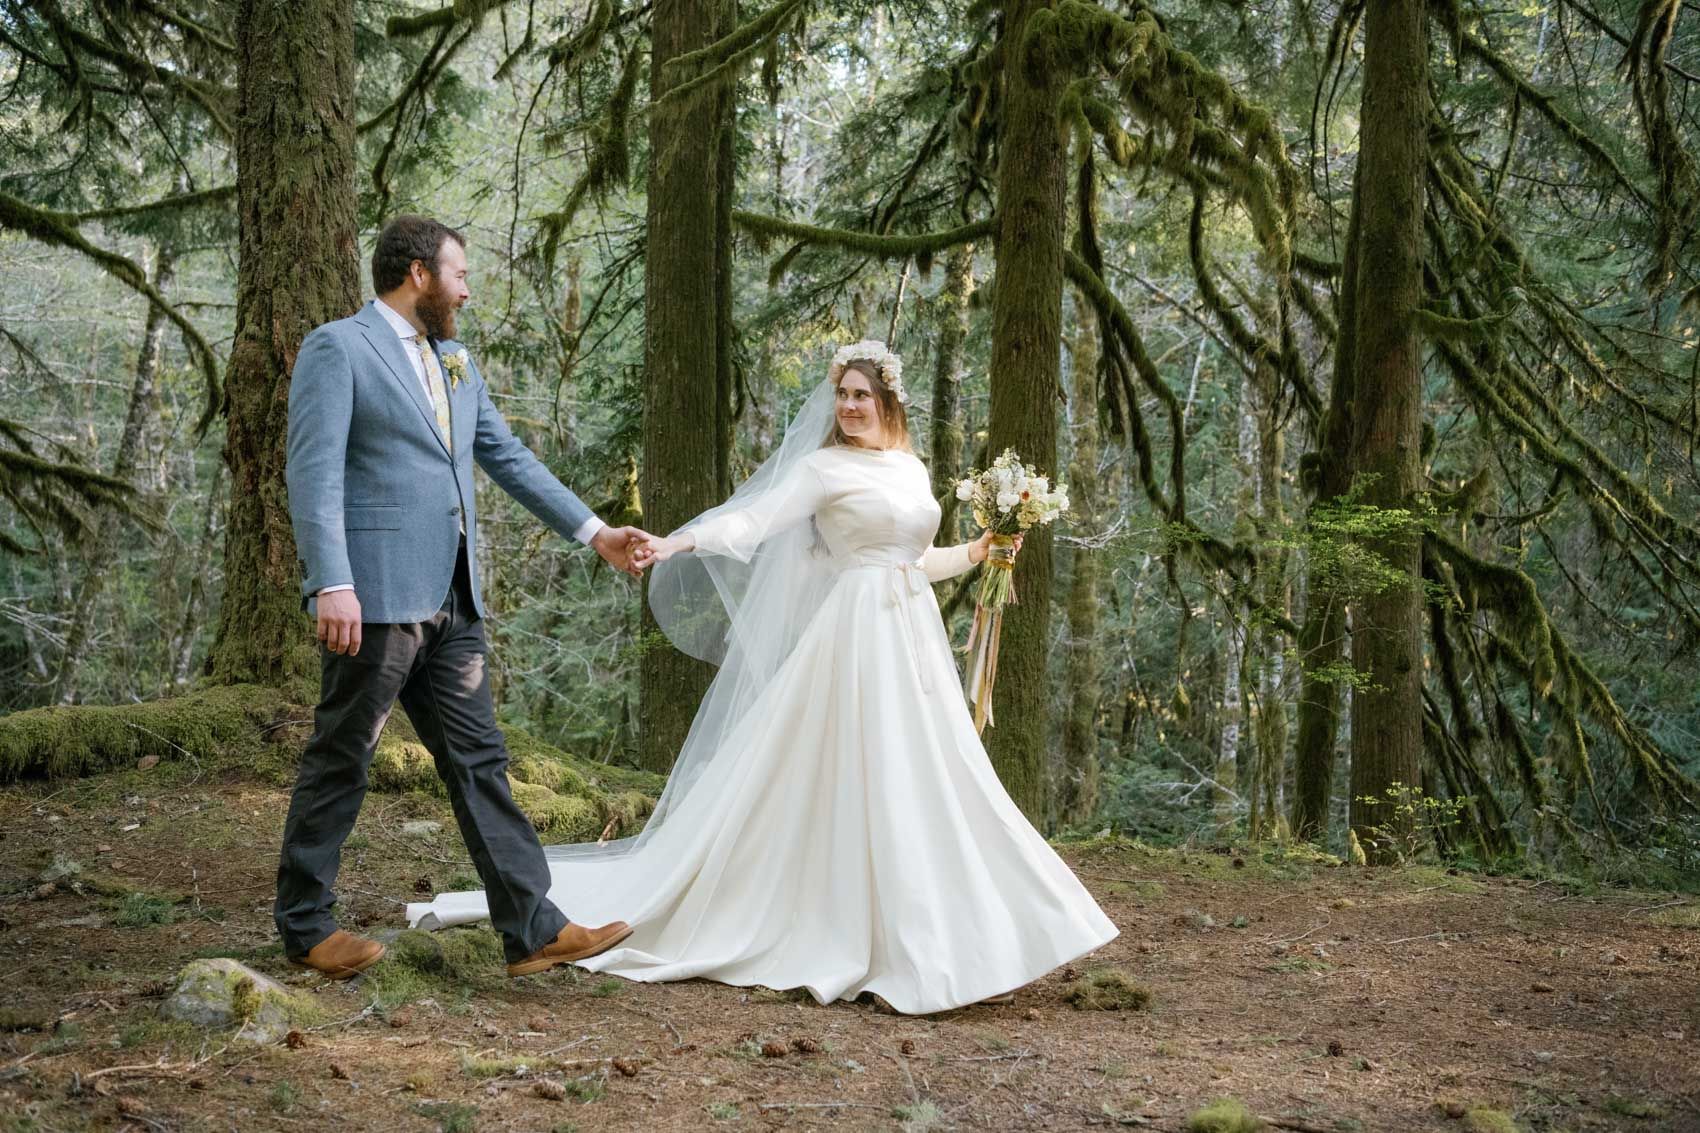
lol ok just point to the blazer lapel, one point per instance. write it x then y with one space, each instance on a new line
393 352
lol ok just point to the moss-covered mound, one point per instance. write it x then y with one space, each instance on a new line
249 730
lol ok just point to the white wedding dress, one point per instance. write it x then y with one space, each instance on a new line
848 833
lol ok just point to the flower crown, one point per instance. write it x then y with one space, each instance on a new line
889 365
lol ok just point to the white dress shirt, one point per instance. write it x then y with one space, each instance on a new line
408 332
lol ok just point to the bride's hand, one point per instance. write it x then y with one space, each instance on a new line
981 547
660 549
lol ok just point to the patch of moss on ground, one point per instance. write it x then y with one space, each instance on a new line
421 963
1225 1115
1106 989
1481 1119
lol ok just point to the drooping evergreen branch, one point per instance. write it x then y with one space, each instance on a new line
1679 187
887 247
735 44
461 11
59 230
214 99
609 163
174 203
430 69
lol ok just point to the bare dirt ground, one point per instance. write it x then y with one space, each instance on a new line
1322 997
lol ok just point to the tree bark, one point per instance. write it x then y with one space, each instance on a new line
1269 705
1387 416
1026 371
1077 779
1322 637
945 450
685 358
189 625
103 546
298 267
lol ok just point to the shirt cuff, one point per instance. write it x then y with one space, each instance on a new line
333 589
588 529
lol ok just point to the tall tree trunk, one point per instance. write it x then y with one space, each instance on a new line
298 267
1077 778
1269 704
1026 371
1322 637
684 465
103 546
1387 413
945 451
189 625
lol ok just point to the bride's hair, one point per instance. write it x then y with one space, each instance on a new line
894 419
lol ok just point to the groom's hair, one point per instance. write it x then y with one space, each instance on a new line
403 240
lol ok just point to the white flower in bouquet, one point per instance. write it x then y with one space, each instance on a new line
1007 500
965 490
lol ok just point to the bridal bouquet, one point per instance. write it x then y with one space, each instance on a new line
1007 499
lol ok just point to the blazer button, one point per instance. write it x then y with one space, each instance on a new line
454 511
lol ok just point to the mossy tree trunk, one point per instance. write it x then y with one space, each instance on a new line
1322 637
1387 414
1026 371
298 267
1076 796
945 451
1269 704
687 352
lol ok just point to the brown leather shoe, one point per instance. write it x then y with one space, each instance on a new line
341 955
574 943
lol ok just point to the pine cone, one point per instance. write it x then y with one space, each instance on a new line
805 1046
773 1050
626 1067
553 1091
907 1046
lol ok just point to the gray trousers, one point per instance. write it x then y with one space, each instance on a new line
436 668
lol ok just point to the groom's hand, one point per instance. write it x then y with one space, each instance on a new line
339 621
618 544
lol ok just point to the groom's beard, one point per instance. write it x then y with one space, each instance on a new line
437 311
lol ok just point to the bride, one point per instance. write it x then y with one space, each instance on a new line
832 821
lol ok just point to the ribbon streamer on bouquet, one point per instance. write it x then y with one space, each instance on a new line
997 590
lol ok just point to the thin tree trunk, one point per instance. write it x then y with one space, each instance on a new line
189 626
948 437
1026 371
1077 781
299 266
1322 636
683 462
103 546
1269 703
1387 424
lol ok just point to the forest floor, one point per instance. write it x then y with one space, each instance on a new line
1322 997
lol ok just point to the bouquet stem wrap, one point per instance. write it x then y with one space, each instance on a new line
997 590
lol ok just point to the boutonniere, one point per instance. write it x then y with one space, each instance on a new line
455 364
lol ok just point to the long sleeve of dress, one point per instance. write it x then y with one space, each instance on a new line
941 563
737 532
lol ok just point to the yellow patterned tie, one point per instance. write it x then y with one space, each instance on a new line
434 382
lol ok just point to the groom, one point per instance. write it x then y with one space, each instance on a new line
387 414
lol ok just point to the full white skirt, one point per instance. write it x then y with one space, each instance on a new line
853 838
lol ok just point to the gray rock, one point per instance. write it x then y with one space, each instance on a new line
221 992
421 828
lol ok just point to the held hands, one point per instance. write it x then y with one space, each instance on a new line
660 549
981 547
339 621
621 547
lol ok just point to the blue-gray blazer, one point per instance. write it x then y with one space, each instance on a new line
374 496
